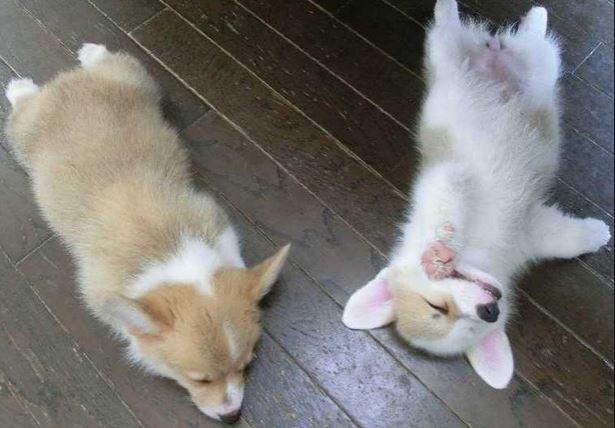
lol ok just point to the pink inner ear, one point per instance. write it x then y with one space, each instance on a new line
381 291
492 359
370 306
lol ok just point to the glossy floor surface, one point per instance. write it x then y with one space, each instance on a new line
299 116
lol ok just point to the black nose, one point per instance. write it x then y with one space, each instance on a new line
488 312
230 418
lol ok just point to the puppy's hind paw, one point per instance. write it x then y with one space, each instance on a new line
91 54
447 12
534 23
19 88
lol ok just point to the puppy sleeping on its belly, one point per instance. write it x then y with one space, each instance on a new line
157 260
490 140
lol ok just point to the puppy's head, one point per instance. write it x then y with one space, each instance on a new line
203 340
459 314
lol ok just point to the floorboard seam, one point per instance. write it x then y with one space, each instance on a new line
326 68
136 27
365 39
334 139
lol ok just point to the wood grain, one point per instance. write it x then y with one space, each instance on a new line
392 86
362 127
341 181
46 370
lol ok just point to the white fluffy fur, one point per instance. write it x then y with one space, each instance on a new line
194 263
490 138
91 54
20 88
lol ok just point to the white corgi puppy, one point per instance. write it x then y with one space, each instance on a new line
157 261
490 141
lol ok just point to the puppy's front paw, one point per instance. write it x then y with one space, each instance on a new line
438 260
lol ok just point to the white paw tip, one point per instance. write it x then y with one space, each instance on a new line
536 21
90 54
447 10
19 88
598 234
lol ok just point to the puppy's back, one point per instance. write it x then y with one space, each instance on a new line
89 129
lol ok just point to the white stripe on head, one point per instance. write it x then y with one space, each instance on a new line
231 338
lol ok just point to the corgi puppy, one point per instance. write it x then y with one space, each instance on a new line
157 261
490 142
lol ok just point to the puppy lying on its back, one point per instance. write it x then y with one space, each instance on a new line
157 261
490 140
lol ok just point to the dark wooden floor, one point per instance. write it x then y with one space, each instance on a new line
299 116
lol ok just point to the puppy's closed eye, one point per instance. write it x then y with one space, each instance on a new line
442 308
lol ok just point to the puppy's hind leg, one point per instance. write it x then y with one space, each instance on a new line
91 54
537 55
534 24
446 13
554 234
117 66
18 89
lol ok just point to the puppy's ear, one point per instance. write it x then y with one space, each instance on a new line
147 316
492 359
370 306
266 273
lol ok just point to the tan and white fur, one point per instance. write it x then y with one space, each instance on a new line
490 140
157 260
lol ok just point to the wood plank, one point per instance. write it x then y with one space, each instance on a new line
22 227
28 46
371 209
588 110
279 394
159 402
12 412
594 17
597 70
340 181
75 22
332 5
46 369
588 168
400 37
360 125
129 14
392 86
577 298
341 261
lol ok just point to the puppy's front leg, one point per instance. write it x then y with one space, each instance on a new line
435 232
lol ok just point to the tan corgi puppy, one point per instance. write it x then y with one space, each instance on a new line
157 261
